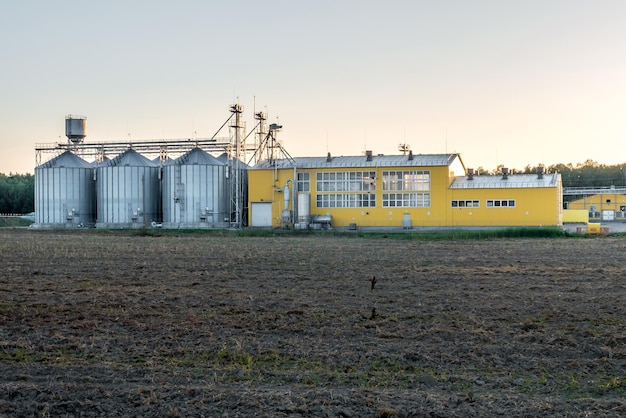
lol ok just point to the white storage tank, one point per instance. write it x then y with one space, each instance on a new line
128 192
304 211
64 193
75 128
195 192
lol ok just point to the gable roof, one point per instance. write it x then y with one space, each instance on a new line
418 160
513 181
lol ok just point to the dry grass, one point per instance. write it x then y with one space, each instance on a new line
179 324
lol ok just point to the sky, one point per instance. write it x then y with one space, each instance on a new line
502 82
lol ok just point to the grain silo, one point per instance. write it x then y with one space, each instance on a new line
237 178
64 193
195 192
127 192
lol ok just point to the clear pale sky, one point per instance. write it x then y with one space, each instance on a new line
501 82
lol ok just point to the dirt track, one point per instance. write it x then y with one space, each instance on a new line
117 324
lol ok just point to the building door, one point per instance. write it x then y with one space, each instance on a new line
261 214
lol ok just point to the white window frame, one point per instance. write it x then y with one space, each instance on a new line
468 203
501 203
304 182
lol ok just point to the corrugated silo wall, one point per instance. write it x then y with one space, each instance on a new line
194 196
127 196
64 196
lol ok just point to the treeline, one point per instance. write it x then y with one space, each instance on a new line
587 174
17 193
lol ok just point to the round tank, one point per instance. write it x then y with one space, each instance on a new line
128 192
64 192
304 207
195 192
75 128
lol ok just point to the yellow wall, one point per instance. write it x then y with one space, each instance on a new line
267 186
534 206
575 216
600 201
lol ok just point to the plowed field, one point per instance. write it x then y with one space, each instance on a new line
108 324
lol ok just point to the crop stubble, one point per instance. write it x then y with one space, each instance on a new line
122 324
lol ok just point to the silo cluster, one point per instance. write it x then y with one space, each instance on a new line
132 191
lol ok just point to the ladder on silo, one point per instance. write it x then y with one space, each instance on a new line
179 192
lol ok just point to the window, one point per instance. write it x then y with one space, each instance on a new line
410 187
347 181
500 203
415 180
346 189
406 200
304 183
465 203
347 200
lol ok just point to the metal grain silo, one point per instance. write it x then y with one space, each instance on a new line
194 192
128 192
64 192
237 179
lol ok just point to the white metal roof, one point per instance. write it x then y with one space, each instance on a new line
418 160
68 160
198 156
130 158
513 181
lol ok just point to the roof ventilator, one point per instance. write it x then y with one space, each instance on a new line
505 173
470 174
328 158
410 155
540 172
368 155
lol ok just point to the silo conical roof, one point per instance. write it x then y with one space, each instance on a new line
167 161
105 161
198 156
131 158
68 160
223 157
226 159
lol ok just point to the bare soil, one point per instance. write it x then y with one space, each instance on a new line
188 325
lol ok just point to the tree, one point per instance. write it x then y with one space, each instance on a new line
17 193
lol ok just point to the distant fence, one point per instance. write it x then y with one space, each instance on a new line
16 219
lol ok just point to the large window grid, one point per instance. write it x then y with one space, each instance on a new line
406 200
346 200
304 183
347 181
407 183
413 180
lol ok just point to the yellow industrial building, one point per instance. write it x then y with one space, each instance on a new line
605 205
404 191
